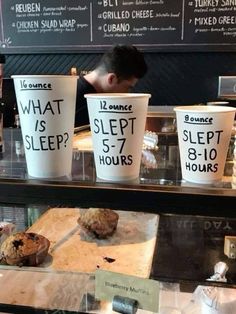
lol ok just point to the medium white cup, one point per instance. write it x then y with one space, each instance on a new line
204 133
117 124
46 105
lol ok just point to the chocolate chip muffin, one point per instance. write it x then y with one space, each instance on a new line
99 222
22 248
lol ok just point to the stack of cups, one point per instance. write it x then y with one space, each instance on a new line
46 105
204 134
117 124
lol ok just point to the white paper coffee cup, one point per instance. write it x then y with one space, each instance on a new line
117 124
204 133
46 105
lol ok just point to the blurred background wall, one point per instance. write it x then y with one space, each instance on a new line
172 79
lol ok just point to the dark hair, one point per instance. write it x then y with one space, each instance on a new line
124 61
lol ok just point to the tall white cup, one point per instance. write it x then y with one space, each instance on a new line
204 133
117 124
46 105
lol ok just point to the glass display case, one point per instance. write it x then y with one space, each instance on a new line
192 222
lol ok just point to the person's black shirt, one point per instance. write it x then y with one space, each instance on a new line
81 112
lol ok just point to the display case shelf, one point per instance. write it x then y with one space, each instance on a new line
194 219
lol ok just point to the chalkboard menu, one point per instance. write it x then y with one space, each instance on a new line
93 25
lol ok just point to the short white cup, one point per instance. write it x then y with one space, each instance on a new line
117 122
203 133
46 105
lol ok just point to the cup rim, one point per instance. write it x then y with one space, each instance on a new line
43 76
204 109
217 103
117 95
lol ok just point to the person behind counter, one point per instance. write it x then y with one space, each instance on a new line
117 72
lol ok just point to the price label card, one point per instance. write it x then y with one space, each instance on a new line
145 291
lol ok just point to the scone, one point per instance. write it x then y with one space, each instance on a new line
100 222
6 228
24 248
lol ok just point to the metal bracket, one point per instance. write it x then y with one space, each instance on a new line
124 305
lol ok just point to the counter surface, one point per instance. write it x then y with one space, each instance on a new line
160 182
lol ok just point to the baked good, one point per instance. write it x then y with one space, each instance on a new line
24 248
6 228
99 222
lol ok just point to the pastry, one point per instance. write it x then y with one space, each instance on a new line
100 222
6 228
24 248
